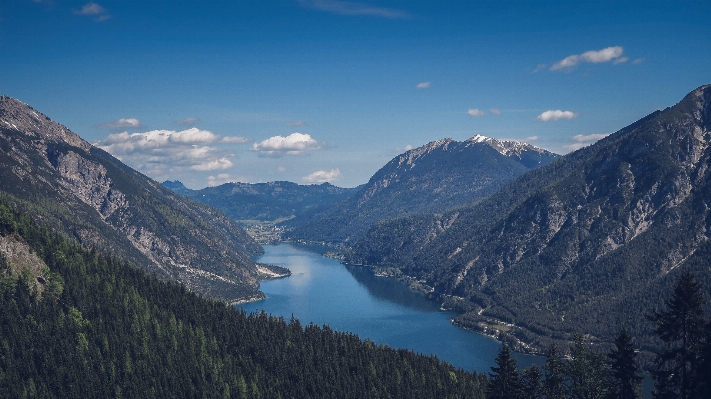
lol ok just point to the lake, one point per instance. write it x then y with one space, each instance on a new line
351 298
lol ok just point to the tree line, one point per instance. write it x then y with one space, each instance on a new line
103 328
107 329
682 369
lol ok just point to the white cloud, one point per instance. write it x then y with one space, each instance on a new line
293 144
423 85
495 111
95 10
189 136
91 9
155 139
554 115
222 178
532 138
580 141
475 112
593 56
217 164
296 123
604 55
567 62
406 148
321 176
352 8
235 140
621 60
123 123
540 67
188 121
162 152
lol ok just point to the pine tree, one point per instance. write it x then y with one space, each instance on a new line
703 375
554 382
587 372
681 328
532 383
505 381
623 363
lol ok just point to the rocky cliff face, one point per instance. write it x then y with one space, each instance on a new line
68 184
432 178
589 243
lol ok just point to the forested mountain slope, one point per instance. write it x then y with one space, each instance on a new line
432 178
77 324
589 243
67 184
266 201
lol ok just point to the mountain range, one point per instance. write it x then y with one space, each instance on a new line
429 179
67 184
590 243
526 245
265 201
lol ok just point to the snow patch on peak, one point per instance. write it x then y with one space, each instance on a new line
479 139
507 148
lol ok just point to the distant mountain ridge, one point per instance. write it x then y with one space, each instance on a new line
589 243
265 201
437 176
67 184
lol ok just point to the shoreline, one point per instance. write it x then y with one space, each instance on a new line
487 327
247 300
270 272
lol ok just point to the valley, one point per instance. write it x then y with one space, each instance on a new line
306 199
588 243
571 245
541 250
322 291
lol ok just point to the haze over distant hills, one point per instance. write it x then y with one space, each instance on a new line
265 201
67 184
432 178
589 243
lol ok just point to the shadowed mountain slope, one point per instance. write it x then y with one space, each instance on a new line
589 243
432 178
69 185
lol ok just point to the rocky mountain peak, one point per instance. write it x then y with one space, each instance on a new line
18 116
432 178
176 185
702 97
589 243
410 157
479 139
91 196
507 147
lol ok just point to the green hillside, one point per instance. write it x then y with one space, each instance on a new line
75 323
71 186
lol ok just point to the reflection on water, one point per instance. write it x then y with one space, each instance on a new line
353 299
390 289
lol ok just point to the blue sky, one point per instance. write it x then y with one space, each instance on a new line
326 90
